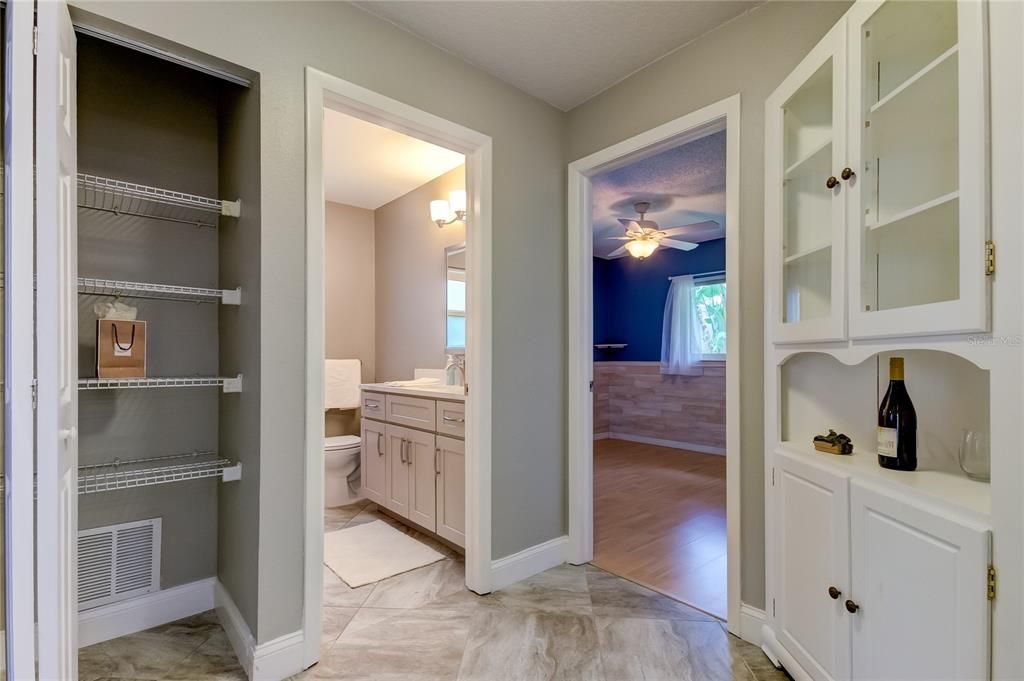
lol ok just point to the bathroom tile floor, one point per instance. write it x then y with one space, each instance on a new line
567 623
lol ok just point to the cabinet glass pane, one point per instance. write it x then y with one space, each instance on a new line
910 199
807 203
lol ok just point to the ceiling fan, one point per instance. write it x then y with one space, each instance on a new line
644 236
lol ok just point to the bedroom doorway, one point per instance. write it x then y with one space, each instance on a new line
654 402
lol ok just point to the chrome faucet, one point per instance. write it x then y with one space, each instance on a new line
455 362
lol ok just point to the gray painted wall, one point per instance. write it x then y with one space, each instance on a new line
410 272
167 136
750 55
348 286
278 39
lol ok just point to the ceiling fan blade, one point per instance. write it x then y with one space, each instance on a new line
630 225
617 253
696 226
620 238
681 245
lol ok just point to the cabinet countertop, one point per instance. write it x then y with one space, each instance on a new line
454 393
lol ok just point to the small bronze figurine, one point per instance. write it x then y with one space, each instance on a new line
833 443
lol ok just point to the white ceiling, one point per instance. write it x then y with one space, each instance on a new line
367 166
563 52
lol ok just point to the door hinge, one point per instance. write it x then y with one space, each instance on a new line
35 40
990 257
35 394
773 477
773 607
991 582
591 386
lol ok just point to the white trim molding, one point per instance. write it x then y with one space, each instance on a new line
751 622
144 612
671 444
529 562
722 115
276 659
327 91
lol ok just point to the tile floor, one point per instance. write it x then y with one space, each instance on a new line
565 624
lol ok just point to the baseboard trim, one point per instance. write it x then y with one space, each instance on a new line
673 444
751 621
529 562
144 612
274 660
602 436
780 657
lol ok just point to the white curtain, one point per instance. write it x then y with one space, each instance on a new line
680 350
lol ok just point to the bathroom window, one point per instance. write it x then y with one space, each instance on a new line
709 308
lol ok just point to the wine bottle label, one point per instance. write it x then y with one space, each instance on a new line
887 439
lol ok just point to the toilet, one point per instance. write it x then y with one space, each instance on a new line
341 470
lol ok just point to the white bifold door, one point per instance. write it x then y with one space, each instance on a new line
56 343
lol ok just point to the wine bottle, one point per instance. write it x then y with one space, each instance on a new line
897 423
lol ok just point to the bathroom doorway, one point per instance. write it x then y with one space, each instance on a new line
398 329
660 475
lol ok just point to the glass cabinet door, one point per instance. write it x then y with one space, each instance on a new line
805 130
917 217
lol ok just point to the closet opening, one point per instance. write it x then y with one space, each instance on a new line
398 373
654 402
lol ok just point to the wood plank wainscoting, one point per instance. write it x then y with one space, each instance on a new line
633 401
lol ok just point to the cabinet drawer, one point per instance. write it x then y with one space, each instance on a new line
373 405
415 412
451 418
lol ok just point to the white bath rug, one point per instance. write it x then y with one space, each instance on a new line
368 553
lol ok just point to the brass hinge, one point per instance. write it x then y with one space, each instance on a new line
991 584
990 257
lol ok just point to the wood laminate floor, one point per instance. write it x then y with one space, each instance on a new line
659 520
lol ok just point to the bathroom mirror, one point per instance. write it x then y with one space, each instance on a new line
455 299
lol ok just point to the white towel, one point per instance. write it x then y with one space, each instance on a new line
341 383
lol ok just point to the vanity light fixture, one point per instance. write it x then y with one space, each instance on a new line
441 211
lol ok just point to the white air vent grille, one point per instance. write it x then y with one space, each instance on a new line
117 562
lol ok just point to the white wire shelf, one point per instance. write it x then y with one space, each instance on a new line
138 289
160 470
129 198
228 385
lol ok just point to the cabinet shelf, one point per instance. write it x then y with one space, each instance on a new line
808 158
806 253
138 289
916 210
939 66
939 487
160 470
228 385
128 198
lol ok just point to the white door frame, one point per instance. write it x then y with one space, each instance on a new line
324 90
724 114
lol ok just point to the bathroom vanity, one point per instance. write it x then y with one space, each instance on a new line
414 455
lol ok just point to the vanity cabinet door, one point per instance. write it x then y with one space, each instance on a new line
451 490
422 478
373 461
919 586
397 477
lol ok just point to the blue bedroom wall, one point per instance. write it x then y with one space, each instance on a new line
629 298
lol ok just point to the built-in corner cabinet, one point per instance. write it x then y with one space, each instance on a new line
877 163
876 178
413 460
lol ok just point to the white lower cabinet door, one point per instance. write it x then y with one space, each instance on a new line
422 479
373 462
812 522
396 453
919 592
451 490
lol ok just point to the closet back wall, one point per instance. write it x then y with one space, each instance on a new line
143 120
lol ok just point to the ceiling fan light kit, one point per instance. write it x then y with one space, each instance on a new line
644 236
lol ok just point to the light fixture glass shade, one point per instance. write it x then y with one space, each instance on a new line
457 201
439 210
641 249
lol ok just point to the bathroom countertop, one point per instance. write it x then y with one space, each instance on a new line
454 393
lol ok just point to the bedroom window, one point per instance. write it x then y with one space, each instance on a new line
709 310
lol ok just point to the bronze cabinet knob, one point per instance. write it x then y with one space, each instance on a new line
847 173
851 606
834 593
831 182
